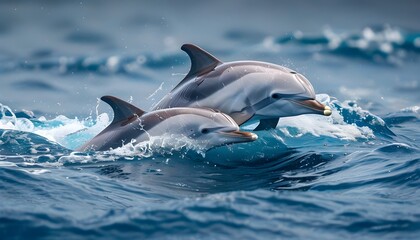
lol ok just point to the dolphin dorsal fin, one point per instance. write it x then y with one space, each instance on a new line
201 61
122 109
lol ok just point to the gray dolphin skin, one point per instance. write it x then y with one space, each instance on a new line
245 90
206 127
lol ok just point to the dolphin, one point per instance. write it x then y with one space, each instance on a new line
206 127
245 90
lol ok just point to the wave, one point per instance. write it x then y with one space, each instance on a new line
301 153
241 214
348 123
380 44
135 67
147 190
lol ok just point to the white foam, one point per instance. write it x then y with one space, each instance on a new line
83 129
369 40
164 144
57 129
316 125
332 126
412 109
76 158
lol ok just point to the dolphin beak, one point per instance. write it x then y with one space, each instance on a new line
246 136
318 107
327 111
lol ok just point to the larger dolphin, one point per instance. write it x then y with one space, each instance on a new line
245 90
206 127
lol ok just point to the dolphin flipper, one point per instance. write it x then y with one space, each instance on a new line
122 109
267 124
201 61
241 117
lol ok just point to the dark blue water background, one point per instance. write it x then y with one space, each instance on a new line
355 174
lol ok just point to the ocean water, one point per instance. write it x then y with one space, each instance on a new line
355 174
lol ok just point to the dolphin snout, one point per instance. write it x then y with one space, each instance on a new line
327 111
247 136
312 104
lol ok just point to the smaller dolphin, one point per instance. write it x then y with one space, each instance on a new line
245 90
207 127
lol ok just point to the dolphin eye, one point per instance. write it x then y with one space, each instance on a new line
276 96
204 130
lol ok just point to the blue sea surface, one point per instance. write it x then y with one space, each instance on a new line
354 174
